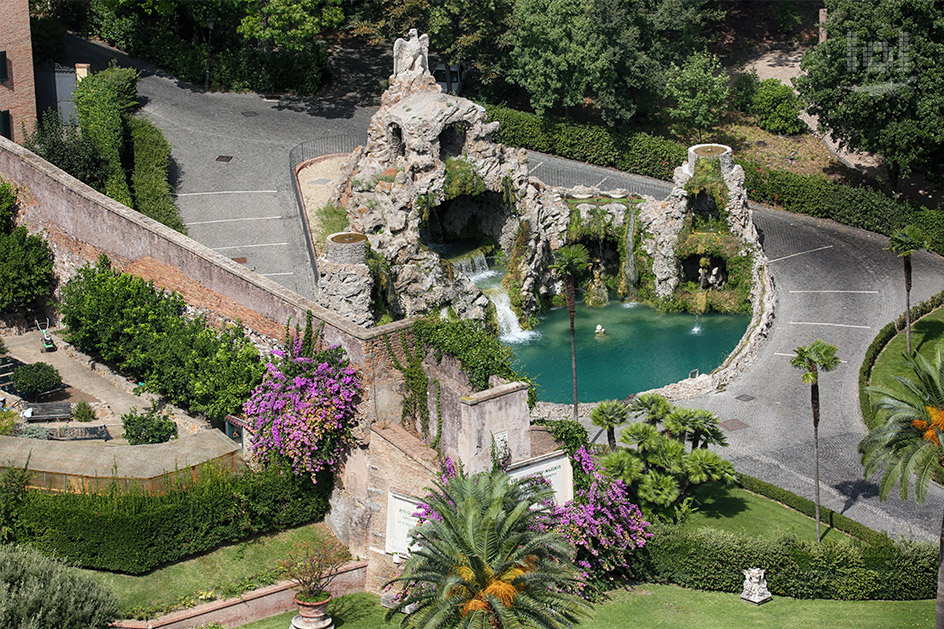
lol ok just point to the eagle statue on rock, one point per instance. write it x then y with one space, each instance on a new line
411 55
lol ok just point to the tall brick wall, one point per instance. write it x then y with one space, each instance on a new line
80 224
18 92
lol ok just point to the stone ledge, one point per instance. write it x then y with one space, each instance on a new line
251 606
494 392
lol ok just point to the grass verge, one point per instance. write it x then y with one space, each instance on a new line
737 510
927 337
226 572
651 605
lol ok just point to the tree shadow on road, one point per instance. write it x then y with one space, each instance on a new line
357 76
853 490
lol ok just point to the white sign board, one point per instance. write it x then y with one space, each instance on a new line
555 467
400 519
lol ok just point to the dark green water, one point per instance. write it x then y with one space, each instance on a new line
641 349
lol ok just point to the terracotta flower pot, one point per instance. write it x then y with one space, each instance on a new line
313 611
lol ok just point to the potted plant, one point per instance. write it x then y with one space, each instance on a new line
311 566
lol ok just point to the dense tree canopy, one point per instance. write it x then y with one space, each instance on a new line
877 83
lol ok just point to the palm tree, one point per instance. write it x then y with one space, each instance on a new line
483 562
905 242
655 407
907 445
569 261
609 414
811 360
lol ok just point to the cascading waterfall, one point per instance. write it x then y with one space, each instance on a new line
630 276
510 330
475 266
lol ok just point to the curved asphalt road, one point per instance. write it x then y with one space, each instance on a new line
834 282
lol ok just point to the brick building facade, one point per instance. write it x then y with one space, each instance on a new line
17 86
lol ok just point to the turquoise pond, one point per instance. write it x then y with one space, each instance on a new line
641 349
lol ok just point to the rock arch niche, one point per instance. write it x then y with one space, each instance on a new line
430 175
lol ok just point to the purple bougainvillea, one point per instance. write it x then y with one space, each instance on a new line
603 525
303 411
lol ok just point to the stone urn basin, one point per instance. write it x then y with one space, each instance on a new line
346 248
720 152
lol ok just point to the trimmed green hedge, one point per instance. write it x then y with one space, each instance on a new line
711 559
807 507
875 348
101 102
136 532
152 191
658 157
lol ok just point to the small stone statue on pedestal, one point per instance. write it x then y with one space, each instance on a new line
755 586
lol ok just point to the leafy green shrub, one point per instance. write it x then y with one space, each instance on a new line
134 532
42 592
3 347
61 144
151 426
480 353
126 322
7 205
461 179
711 559
569 432
82 412
36 378
25 269
8 422
743 88
101 102
777 108
152 190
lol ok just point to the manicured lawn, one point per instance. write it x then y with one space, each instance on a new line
927 337
650 605
354 611
225 572
738 511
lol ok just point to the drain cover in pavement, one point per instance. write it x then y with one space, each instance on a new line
250 114
744 397
320 182
224 158
734 424
239 260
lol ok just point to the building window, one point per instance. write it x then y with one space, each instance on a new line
6 124
4 75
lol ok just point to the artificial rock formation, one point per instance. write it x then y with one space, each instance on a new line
390 186
663 220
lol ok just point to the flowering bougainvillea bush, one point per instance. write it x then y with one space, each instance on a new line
304 409
603 525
